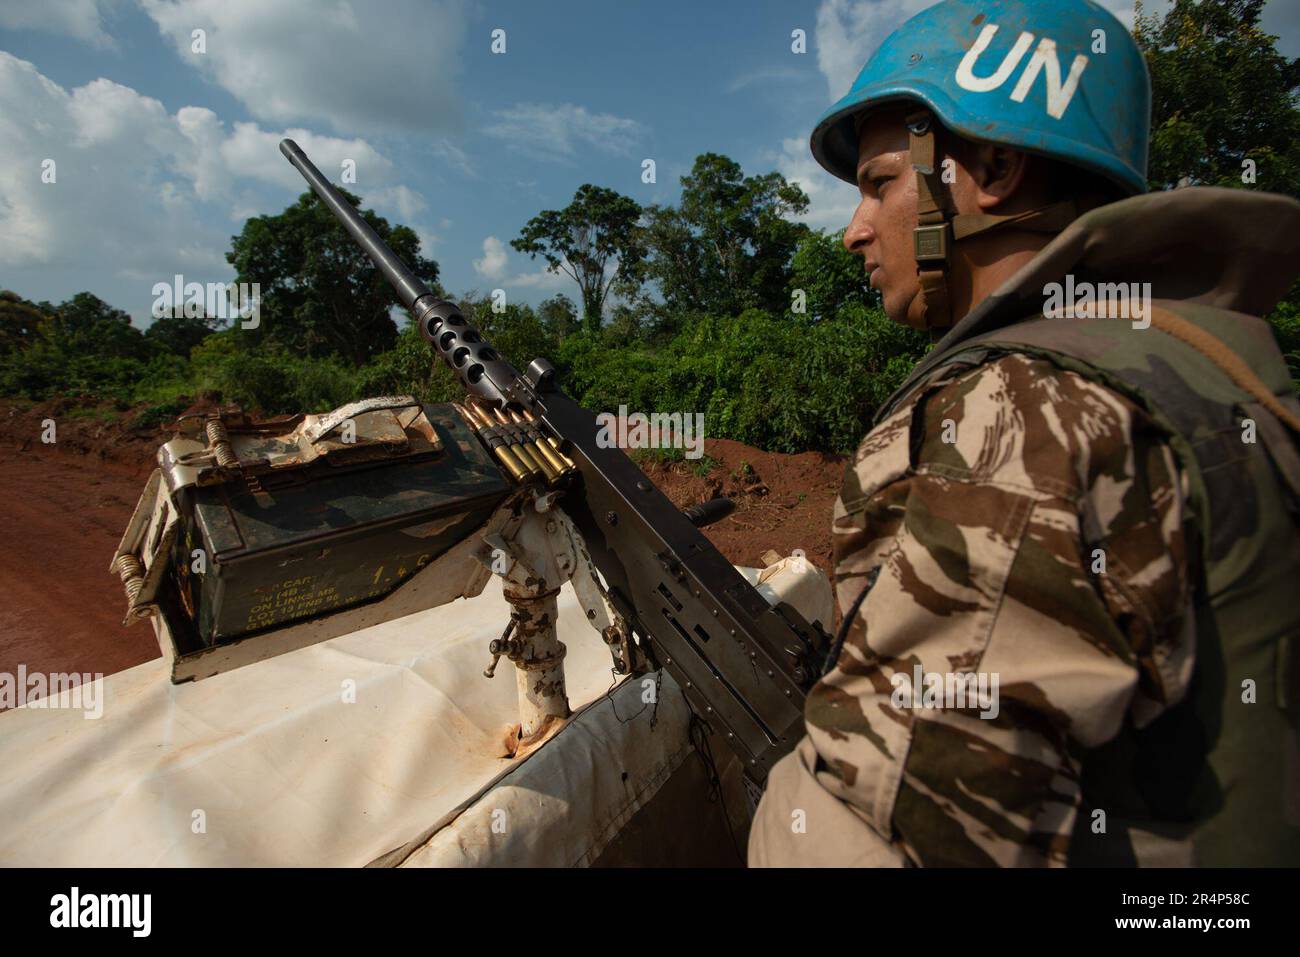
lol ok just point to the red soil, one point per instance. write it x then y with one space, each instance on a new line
65 507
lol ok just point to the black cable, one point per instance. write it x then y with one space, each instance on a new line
654 715
698 733
834 654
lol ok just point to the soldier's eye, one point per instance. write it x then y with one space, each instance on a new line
879 182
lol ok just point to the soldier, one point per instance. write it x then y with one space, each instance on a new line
1066 553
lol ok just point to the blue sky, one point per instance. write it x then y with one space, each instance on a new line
162 152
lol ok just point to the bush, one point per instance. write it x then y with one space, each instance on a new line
783 386
602 378
44 371
409 368
158 414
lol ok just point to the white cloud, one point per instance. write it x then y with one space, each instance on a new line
830 201
450 155
544 280
356 68
408 202
766 75
494 266
255 153
144 193
557 131
427 237
84 215
847 33
79 19
493 263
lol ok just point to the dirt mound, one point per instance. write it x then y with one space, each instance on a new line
783 502
109 438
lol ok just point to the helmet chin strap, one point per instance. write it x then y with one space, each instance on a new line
939 227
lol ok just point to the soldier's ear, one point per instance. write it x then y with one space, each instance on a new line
998 174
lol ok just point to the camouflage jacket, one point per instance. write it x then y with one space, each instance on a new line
1013 531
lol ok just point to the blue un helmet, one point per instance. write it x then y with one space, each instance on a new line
1063 79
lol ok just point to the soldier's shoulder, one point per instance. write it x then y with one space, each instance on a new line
1022 421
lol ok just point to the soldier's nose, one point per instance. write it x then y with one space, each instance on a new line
859 233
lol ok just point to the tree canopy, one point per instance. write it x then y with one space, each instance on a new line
1221 94
727 245
597 229
320 294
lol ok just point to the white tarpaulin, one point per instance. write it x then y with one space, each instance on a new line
379 746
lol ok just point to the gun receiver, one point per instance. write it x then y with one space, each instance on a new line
744 665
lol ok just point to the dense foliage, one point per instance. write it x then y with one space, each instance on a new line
1223 99
771 380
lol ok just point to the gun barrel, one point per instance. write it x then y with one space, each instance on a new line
408 285
479 367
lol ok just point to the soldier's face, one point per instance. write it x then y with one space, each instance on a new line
881 229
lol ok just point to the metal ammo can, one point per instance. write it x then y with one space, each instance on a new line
263 524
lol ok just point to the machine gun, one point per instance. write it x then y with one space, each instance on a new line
574 507
745 665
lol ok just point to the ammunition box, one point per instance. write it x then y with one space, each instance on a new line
347 526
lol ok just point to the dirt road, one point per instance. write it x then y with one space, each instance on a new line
60 521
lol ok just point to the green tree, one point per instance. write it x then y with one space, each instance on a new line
829 275
320 294
82 347
582 240
1221 94
517 332
727 246
178 334
86 325
20 321
409 368
559 316
625 325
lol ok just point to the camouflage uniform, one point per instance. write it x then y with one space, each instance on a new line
978 507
